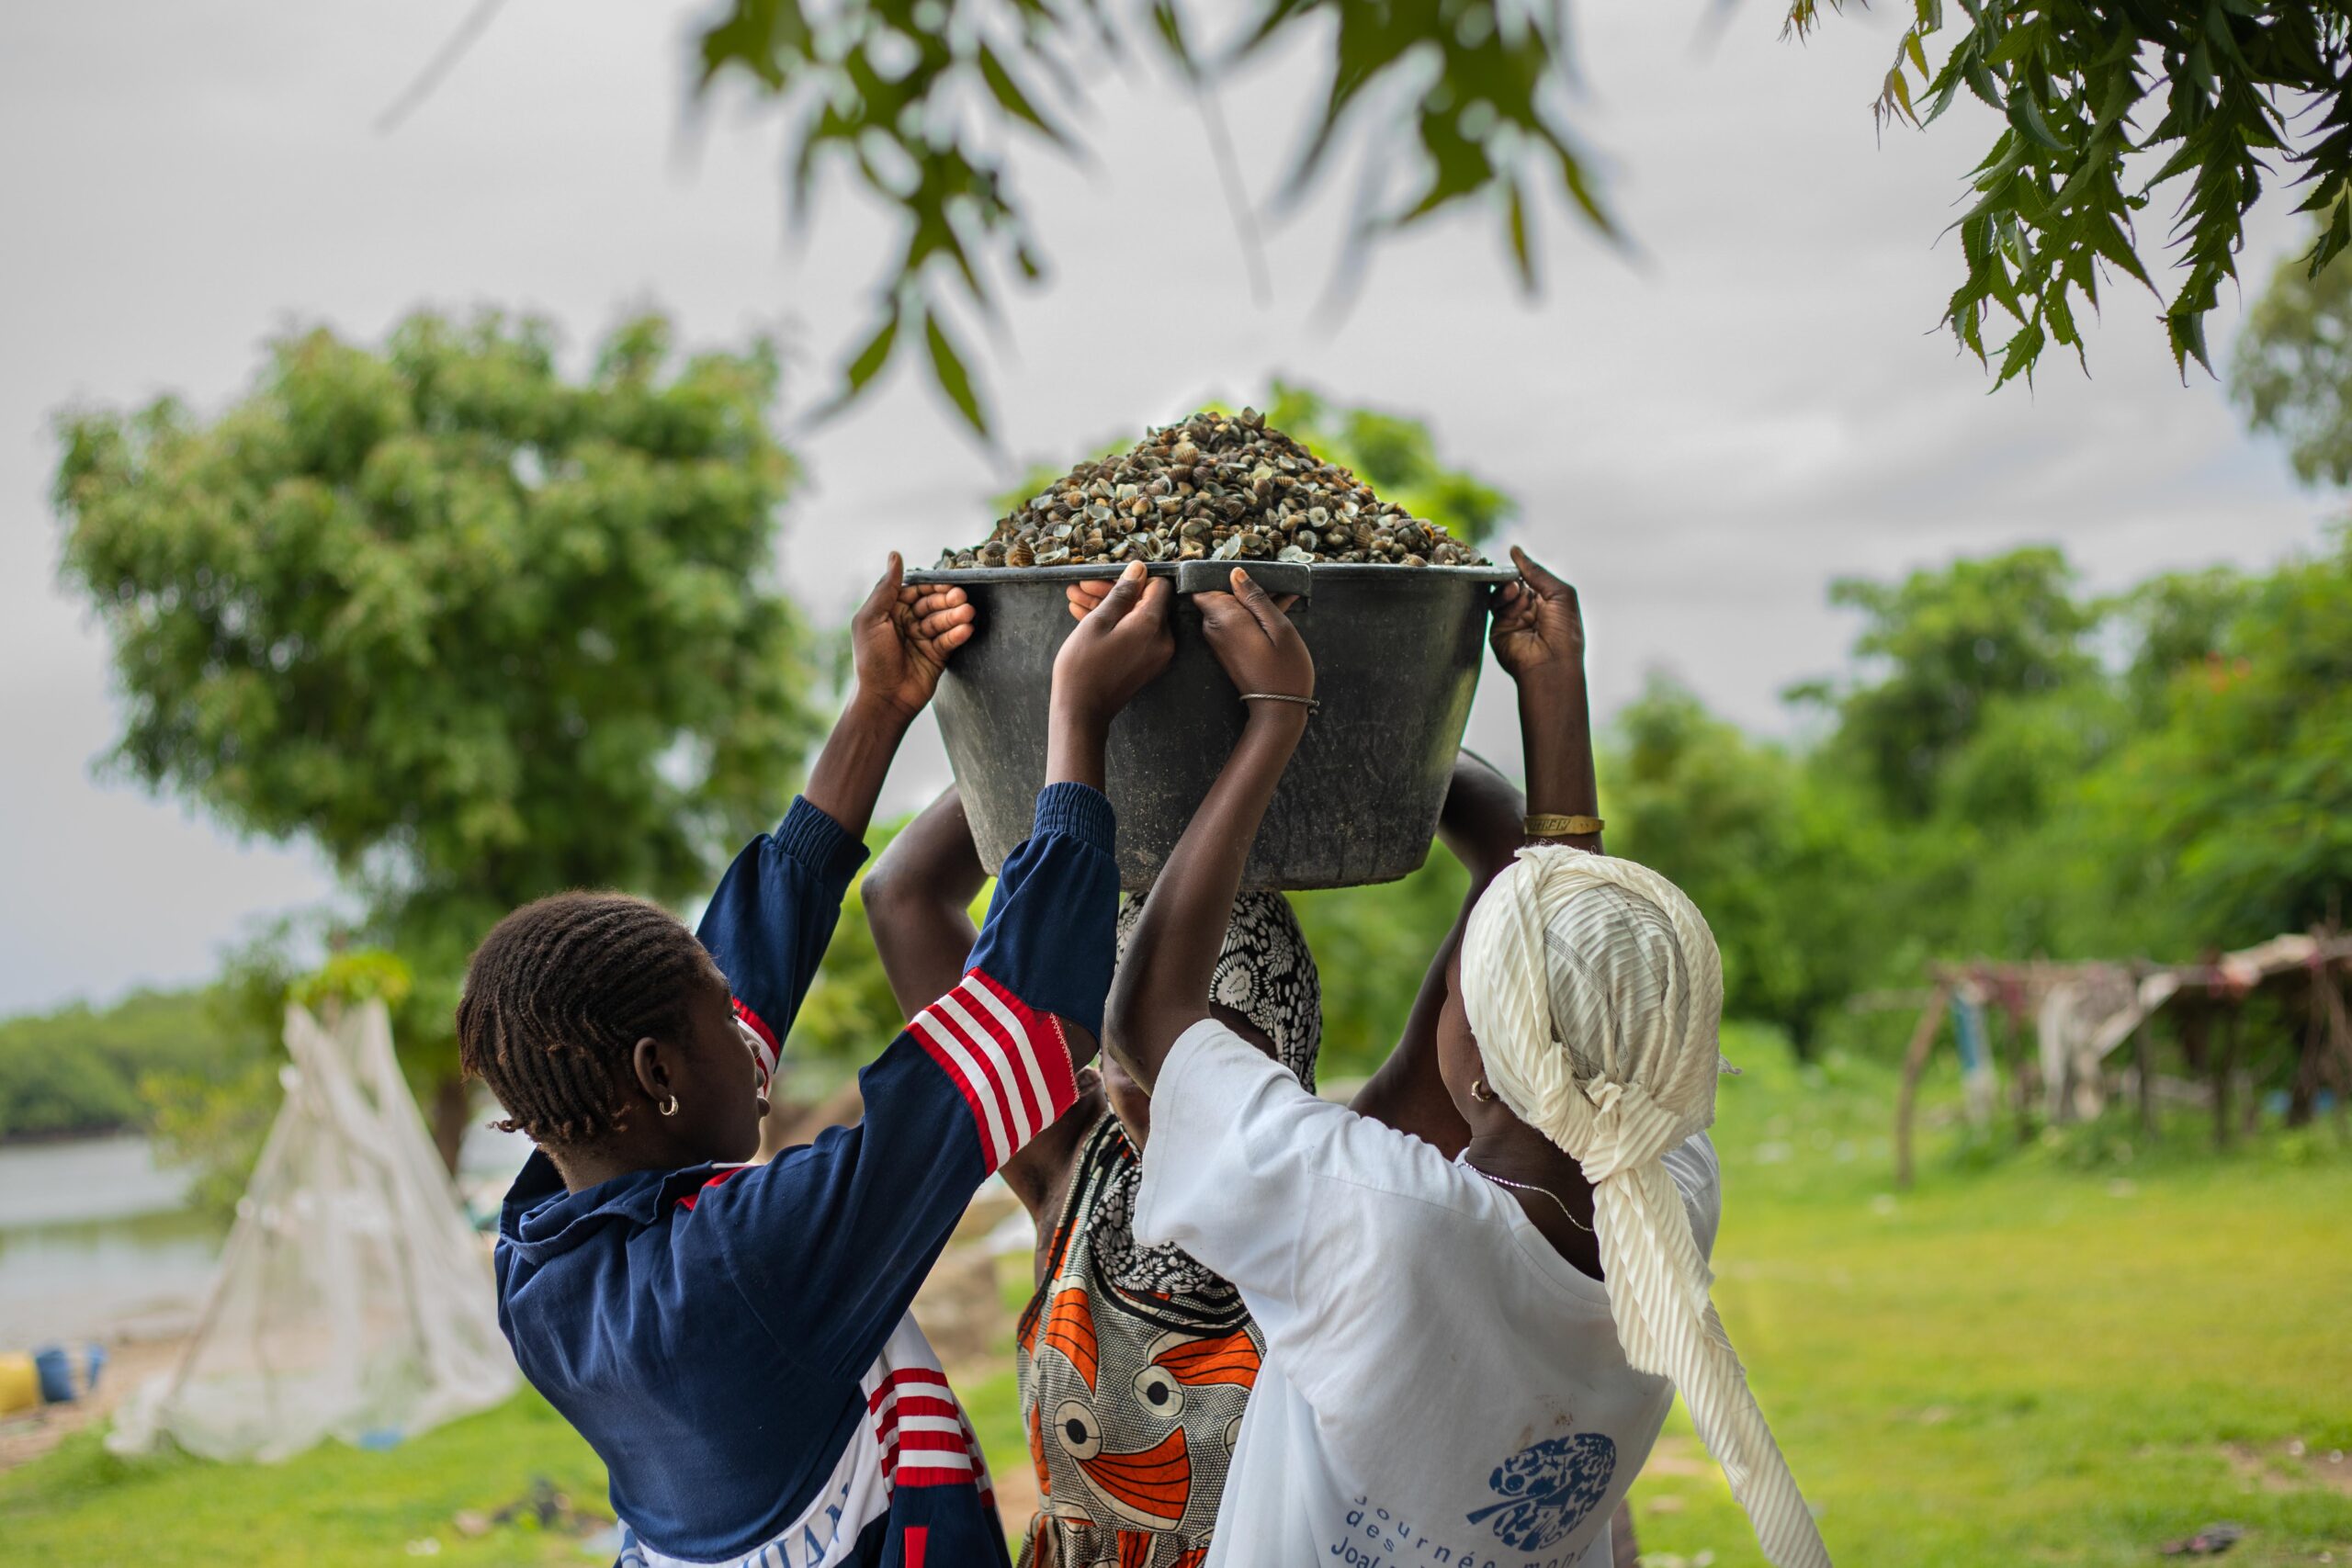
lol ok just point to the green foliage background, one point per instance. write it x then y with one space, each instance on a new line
77 1070
479 630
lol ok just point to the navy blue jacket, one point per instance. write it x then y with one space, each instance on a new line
735 1341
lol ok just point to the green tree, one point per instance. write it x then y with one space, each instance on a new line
1372 946
2102 105
2246 789
1935 646
849 1011
2292 370
478 631
2019 859
2173 622
77 1070
1776 857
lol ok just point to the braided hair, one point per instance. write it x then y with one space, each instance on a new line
557 996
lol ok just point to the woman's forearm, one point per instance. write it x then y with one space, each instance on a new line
1075 741
848 776
1555 723
1177 939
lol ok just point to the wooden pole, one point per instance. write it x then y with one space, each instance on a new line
2340 1031
2250 1110
2020 1078
2312 1057
2143 1063
2192 1014
2192 1035
2225 1066
1915 1063
2143 1056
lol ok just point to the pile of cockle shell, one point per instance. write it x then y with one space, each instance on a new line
1215 487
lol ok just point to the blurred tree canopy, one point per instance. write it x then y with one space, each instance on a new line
1936 648
1447 102
1451 102
1372 946
2246 783
1779 860
2101 106
1990 785
78 1069
850 1012
478 630
2292 372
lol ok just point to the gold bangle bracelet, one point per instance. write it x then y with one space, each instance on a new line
1549 825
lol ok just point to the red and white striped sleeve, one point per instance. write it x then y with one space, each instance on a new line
925 1439
1008 1061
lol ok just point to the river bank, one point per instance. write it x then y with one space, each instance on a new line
96 1242
98 1245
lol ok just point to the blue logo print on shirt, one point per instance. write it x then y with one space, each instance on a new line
1548 1488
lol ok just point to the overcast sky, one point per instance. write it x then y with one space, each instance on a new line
1702 437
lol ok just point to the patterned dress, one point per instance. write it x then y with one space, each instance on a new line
1136 1361
1132 1398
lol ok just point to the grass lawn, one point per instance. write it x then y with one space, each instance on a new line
2070 1354
330 1506
2064 1355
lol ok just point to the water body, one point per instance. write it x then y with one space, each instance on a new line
95 1236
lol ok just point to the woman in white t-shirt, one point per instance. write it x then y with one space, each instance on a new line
1480 1287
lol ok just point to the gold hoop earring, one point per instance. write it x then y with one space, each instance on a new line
1480 1093
669 1106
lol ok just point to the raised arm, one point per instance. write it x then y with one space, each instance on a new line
979 1072
1481 827
1163 988
901 639
1538 638
773 915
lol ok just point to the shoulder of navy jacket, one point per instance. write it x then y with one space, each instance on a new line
639 1198
685 1183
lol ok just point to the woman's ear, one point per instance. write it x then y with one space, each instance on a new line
652 1073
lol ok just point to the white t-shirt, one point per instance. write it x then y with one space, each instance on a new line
1441 1388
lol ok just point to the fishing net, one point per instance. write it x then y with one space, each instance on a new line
353 1300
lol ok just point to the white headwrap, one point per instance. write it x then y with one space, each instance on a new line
1595 990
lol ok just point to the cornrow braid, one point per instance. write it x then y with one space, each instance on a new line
557 996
